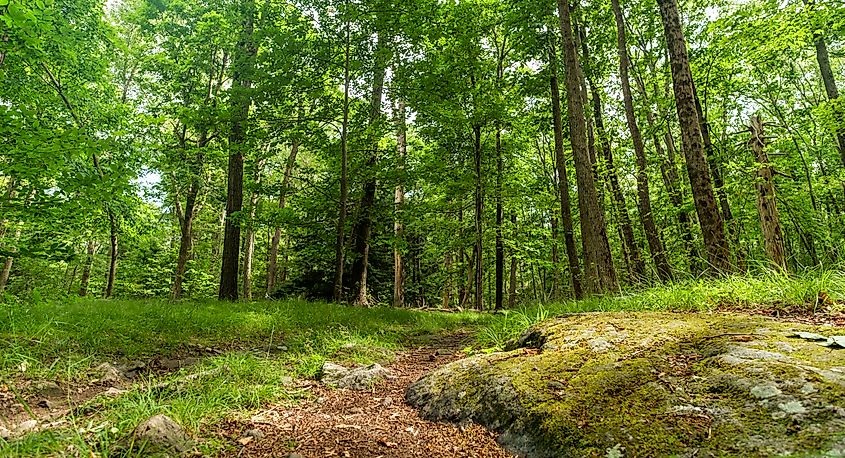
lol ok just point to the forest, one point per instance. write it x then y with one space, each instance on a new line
429 154
192 179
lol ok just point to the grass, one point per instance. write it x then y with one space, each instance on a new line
65 340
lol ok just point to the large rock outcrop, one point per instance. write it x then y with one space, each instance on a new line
651 384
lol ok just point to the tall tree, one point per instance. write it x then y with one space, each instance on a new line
712 226
598 262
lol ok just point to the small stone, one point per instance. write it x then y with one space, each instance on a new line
765 391
48 390
356 411
4 433
114 392
160 434
811 336
25 428
256 434
387 402
359 378
109 374
45 404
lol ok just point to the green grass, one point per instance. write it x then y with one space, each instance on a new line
64 340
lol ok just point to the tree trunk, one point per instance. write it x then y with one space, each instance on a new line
447 289
664 270
340 258
113 252
712 227
512 282
600 271
399 207
823 58
766 199
186 239
241 101
273 259
86 271
479 216
249 244
368 199
500 242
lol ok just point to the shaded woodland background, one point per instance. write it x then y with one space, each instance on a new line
422 153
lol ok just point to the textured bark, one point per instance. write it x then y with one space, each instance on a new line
563 180
479 216
500 240
188 214
340 257
398 208
113 253
241 82
273 259
658 254
86 270
249 243
447 288
600 272
630 248
712 226
364 224
823 58
512 280
766 199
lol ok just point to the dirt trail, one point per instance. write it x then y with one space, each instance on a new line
376 423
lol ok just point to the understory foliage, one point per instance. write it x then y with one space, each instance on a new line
404 152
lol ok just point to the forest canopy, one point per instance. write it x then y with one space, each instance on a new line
421 153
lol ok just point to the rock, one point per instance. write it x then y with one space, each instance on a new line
48 389
109 374
162 436
46 404
255 434
5 433
835 342
359 378
24 428
648 384
810 336
114 392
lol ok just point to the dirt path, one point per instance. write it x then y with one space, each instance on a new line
376 423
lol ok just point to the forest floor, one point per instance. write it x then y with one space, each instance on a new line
77 376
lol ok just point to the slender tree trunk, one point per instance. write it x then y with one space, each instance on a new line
113 253
447 289
823 58
186 239
500 241
340 258
767 205
273 259
598 261
241 101
479 216
512 282
364 227
712 226
399 207
249 243
555 293
86 270
664 270
563 180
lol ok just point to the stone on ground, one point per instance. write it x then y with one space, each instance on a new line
48 389
358 378
161 436
650 384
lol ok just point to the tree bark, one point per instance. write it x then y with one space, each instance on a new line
500 241
273 259
368 199
664 270
399 208
479 216
86 270
823 58
600 271
241 101
766 199
563 180
512 280
340 258
249 243
712 226
113 253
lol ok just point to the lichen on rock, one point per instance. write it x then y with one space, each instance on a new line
650 384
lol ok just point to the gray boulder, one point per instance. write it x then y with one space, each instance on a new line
161 436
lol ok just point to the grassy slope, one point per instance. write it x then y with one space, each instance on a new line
63 341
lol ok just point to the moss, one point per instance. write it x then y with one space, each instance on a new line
659 384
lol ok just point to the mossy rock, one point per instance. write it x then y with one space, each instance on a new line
651 384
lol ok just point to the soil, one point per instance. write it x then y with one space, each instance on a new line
374 423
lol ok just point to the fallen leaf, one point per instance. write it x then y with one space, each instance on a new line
245 440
